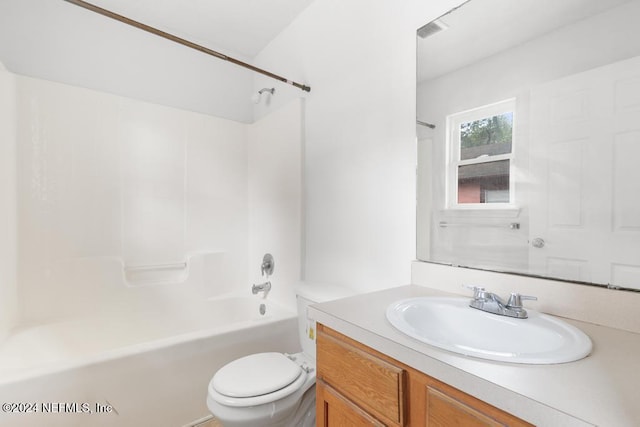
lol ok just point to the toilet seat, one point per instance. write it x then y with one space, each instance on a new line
256 379
255 375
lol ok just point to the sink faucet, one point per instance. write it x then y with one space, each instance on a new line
263 287
492 303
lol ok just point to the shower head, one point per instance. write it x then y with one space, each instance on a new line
256 97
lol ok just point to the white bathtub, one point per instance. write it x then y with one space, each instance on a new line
150 365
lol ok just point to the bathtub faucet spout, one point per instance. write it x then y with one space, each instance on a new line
263 287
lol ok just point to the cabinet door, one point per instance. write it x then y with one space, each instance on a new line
372 383
442 411
436 404
334 410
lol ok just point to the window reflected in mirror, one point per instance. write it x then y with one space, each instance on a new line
481 147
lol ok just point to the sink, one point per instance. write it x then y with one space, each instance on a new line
450 324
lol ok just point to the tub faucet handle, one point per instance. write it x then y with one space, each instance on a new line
267 266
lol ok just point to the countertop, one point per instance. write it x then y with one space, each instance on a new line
600 390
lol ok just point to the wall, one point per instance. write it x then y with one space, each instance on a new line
8 244
106 183
359 59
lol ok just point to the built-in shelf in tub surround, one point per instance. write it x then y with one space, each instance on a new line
597 390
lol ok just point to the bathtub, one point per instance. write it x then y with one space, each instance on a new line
133 364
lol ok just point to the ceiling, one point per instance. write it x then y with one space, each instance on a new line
241 27
481 28
61 42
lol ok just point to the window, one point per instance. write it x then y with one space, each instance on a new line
481 157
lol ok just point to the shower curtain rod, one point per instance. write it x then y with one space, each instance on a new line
429 125
183 42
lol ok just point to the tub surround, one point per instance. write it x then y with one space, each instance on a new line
597 390
98 180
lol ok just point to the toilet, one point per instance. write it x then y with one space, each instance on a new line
273 389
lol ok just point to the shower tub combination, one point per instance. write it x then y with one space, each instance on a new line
139 367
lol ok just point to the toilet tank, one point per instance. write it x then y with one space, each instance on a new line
312 293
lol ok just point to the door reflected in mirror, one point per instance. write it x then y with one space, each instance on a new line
533 164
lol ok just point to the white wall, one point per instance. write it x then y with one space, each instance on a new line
8 281
359 59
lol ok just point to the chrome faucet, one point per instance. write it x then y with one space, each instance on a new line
263 287
492 303
266 268
267 265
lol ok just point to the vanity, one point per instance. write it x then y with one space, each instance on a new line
361 386
370 373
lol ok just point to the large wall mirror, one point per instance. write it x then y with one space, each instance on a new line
529 139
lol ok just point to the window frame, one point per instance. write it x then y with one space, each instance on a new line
453 141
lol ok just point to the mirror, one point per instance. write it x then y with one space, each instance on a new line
529 139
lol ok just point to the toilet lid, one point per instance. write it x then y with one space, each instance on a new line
255 375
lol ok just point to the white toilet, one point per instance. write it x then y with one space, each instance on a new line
273 389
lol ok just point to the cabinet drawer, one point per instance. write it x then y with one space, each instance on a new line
372 383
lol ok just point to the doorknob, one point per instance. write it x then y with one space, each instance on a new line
538 242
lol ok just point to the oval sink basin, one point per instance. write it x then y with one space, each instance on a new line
450 324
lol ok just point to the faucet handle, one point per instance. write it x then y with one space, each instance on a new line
266 268
515 300
478 291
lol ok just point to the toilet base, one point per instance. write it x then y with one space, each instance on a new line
293 411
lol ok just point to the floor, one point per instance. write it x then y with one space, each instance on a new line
209 423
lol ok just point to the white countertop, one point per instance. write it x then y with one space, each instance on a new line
600 390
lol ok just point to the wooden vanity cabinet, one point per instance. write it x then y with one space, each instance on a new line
358 386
